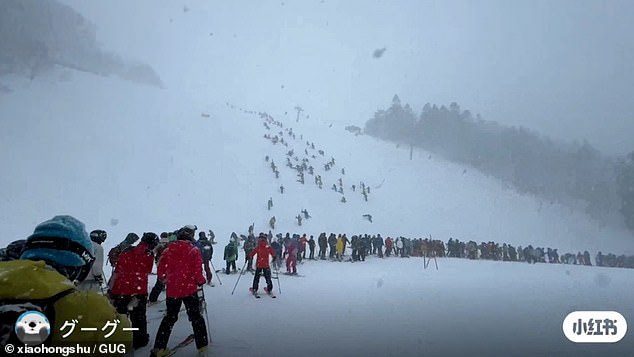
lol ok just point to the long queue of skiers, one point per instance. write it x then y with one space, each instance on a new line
333 247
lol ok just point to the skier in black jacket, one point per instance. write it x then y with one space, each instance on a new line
323 245
311 247
332 242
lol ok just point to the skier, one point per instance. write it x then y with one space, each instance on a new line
332 243
389 243
272 222
95 280
113 254
339 248
599 260
270 203
323 245
158 285
230 257
206 252
354 244
212 237
249 245
277 247
301 254
291 259
586 258
399 246
281 189
129 291
56 257
311 247
364 247
263 251
180 268
379 245
513 253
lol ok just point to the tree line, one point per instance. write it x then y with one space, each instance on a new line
568 173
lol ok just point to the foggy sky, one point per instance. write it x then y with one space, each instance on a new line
563 68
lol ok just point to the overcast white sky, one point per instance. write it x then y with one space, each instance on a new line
564 68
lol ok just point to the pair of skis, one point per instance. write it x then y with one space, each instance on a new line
294 274
257 295
184 343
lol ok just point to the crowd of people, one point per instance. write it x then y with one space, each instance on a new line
334 247
60 264
58 271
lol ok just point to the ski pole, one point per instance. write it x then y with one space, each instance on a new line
239 276
277 273
206 315
214 270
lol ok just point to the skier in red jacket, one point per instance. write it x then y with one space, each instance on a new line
129 290
180 267
263 250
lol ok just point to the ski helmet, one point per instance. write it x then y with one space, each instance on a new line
186 233
14 249
98 236
63 243
150 239
202 236
130 239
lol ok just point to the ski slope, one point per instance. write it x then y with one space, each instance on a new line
395 307
125 157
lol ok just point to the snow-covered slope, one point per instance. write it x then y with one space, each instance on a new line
131 158
126 158
395 307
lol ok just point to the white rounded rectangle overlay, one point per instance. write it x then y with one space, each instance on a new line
594 326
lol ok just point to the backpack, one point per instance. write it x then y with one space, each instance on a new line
230 253
206 250
11 310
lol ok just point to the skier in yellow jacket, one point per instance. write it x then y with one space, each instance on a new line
340 246
57 257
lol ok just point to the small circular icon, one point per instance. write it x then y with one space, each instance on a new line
32 328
